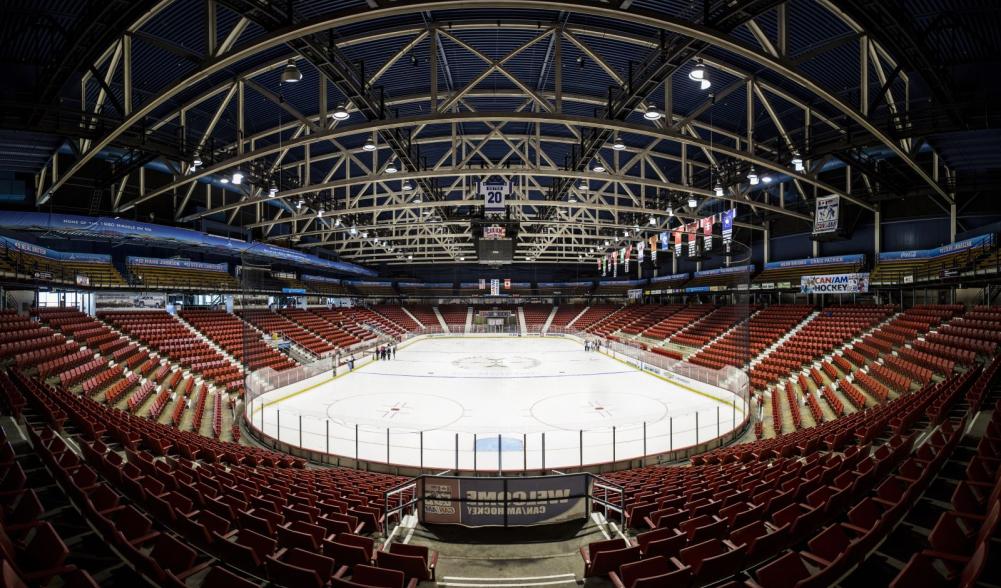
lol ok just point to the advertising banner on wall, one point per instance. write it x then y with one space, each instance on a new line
178 263
826 215
108 300
503 502
834 284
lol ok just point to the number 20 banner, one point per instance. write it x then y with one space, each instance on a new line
494 195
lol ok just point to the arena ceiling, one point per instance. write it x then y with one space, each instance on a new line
861 99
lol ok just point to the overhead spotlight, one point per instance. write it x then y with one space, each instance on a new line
583 186
237 177
319 213
196 161
652 113
752 177
718 190
606 242
391 167
652 221
417 199
692 202
618 144
597 167
797 162
407 186
413 60
410 257
299 204
625 233
369 145
364 234
580 61
462 259
352 231
698 72
337 222
291 73
572 199
670 211
766 178
274 190
224 180
341 113
705 84
377 240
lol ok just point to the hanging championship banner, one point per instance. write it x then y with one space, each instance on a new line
640 247
599 264
507 283
728 224
653 248
707 231
495 287
692 230
483 284
677 243
604 266
827 214
626 251
494 195
615 264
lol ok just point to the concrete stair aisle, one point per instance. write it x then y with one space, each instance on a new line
469 319
441 319
412 317
549 320
521 321
210 342
580 314
756 360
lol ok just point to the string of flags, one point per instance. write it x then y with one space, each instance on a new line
702 227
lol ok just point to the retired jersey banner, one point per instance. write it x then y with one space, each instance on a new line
707 230
494 195
728 224
483 284
507 283
692 230
826 216
503 502
834 284
677 242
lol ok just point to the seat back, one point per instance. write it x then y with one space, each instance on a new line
220 577
420 551
292 576
652 566
346 555
378 577
610 560
412 567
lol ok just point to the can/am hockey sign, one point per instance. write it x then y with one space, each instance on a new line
503 502
835 284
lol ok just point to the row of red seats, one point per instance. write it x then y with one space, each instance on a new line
321 327
922 375
897 382
82 372
199 410
159 403
238 339
66 356
115 391
140 396
270 322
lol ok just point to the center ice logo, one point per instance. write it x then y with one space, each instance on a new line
477 362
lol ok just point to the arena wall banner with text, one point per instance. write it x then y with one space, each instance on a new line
108 300
827 214
503 502
835 284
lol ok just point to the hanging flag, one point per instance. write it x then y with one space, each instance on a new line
728 224
640 247
507 283
624 252
599 264
707 230
494 287
692 230
677 242
483 284
615 264
653 249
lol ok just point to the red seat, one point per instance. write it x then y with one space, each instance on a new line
413 568
713 560
920 571
297 567
651 573
373 577
429 556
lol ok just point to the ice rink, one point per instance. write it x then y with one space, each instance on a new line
485 402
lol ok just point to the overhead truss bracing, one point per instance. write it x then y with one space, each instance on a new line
446 128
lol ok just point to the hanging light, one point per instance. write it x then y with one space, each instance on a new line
583 186
752 176
670 211
299 204
391 167
410 257
196 161
572 199
341 113
377 240
224 180
417 198
462 259
352 231
692 202
606 242
291 73
625 233
369 145
337 222
766 178
618 144
364 234
319 213
237 177
652 113
797 162
652 221
407 186
718 190
698 72
274 190
597 167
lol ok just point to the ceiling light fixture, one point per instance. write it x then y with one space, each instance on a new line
319 213
670 211
618 144
698 72
692 202
237 177
597 167
752 177
407 186
797 162
652 221
369 145
196 161
273 190
766 178
718 190
224 180
652 113
391 167
291 73
341 113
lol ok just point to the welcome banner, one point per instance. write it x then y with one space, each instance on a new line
503 502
